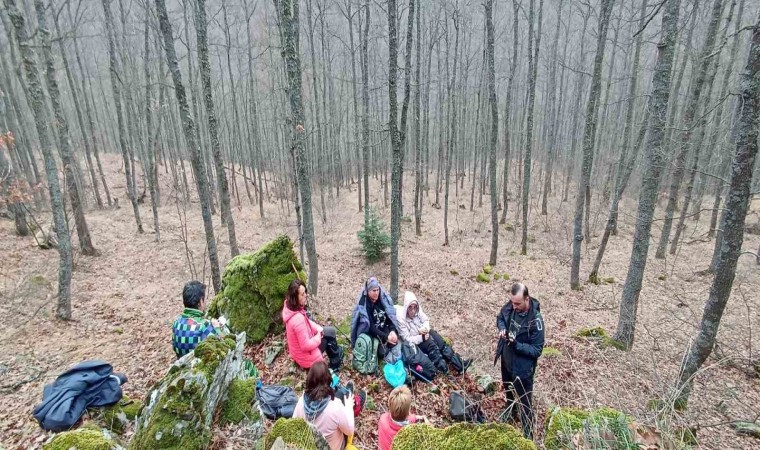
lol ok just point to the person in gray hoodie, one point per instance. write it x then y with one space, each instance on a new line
414 328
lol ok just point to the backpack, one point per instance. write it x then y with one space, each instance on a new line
276 401
395 374
364 357
418 363
464 409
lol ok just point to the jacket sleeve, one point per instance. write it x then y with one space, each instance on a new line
501 324
533 348
406 334
425 319
305 341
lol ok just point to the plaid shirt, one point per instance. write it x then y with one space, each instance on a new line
189 330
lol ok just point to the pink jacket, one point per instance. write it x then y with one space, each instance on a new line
303 337
387 429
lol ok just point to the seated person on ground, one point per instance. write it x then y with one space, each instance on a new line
333 417
191 327
414 327
391 422
307 340
374 315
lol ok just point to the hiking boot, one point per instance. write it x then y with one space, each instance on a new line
442 367
359 399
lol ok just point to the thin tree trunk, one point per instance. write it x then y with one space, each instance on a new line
417 149
552 117
494 138
196 159
365 108
452 129
508 112
41 119
658 105
152 178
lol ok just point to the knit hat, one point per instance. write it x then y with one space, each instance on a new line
372 283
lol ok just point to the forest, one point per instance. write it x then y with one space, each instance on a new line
602 153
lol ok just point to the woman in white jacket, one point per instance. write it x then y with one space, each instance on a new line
414 327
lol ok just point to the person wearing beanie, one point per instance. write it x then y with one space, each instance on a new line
414 327
375 316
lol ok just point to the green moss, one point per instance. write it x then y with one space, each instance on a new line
483 277
551 352
601 428
254 287
118 416
531 239
81 439
496 276
237 406
369 404
461 436
505 276
592 332
609 280
211 352
509 227
454 272
662 277
487 269
614 343
292 431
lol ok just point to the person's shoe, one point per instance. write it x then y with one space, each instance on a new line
442 367
350 387
359 400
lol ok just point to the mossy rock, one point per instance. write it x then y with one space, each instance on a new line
591 332
461 436
747 429
454 272
295 432
254 287
117 417
239 403
496 276
596 428
179 412
487 269
662 277
614 343
83 439
509 227
550 352
483 277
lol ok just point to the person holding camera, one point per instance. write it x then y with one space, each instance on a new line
521 341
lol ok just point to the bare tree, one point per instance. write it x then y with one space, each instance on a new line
494 137
507 112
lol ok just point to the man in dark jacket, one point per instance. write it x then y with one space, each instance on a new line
374 315
521 340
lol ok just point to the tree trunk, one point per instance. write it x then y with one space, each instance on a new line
69 165
41 120
658 105
552 117
208 100
732 223
688 124
494 138
289 25
625 163
152 177
452 129
417 149
365 108
188 125
532 74
507 112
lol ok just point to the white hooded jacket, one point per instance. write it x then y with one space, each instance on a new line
410 328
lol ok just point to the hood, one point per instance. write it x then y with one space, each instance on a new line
288 313
409 299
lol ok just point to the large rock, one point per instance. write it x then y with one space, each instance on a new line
461 436
179 411
295 433
254 287
83 439
566 427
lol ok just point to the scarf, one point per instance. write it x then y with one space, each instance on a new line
313 409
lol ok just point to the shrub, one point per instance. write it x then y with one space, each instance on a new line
374 239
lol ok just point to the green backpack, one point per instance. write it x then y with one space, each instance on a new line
364 356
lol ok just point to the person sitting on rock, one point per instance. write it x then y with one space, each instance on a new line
307 340
414 327
320 406
397 417
374 315
192 327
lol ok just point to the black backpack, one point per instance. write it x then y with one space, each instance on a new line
418 363
465 409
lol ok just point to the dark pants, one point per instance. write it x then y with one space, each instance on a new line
330 346
519 393
440 353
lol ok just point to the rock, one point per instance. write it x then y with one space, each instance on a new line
45 238
486 384
461 436
254 287
271 352
83 439
179 411
295 432
747 429
571 428
118 417
593 332
238 405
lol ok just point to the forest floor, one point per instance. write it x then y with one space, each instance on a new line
125 300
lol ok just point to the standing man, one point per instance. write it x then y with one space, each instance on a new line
521 340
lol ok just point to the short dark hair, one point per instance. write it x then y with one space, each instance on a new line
291 298
318 382
520 288
193 293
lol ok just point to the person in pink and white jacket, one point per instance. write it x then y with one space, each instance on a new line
307 340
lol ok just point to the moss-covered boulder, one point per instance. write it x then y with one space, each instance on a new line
238 405
461 436
297 433
83 439
179 411
254 287
600 428
119 416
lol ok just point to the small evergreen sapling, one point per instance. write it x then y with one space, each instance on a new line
373 237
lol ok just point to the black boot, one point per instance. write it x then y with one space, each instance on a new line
460 365
332 348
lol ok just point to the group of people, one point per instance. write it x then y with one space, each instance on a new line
331 407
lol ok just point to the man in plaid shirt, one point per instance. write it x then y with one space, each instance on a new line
191 327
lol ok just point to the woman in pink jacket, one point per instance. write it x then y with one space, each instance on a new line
307 340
